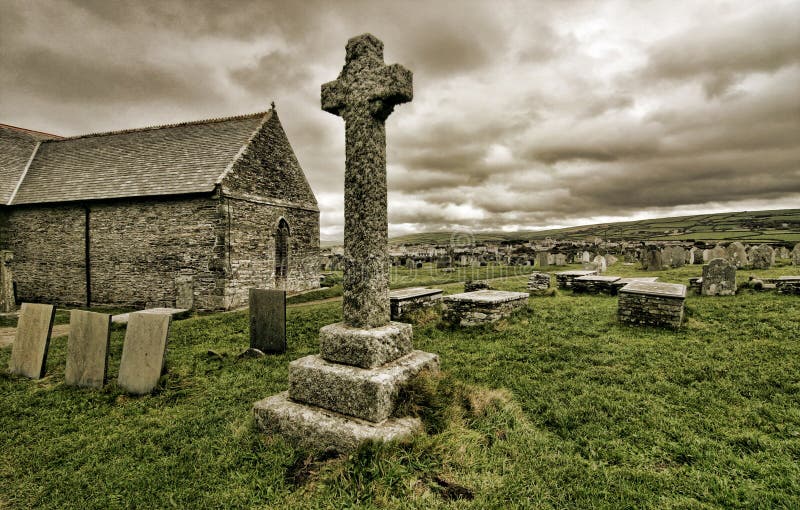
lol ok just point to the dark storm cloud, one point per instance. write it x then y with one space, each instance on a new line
525 114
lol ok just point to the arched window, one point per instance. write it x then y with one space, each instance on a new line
282 250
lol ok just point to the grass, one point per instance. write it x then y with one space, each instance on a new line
558 407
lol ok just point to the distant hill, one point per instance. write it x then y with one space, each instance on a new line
746 226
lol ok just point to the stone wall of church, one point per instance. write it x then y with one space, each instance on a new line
252 248
49 258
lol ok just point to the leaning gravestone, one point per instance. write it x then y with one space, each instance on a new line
7 301
719 278
144 352
268 320
87 349
348 393
29 354
762 257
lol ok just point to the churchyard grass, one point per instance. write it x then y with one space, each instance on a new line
560 406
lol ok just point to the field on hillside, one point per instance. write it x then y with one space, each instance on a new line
753 226
558 407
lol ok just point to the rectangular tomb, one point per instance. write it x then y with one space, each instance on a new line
788 285
652 303
564 279
405 301
482 306
595 284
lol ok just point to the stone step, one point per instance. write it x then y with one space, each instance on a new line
317 428
369 394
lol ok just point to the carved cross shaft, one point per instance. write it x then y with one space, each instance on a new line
364 95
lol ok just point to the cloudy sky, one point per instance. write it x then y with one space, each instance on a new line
526 114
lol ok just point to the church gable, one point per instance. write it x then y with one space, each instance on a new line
268 169
17 147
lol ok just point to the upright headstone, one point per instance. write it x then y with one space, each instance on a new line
347 394
268 320
7 301
87 349
737 254
652 259
762 257
610 260
599 264
796 255
673 256
144 352
29 353
718 252
719 278
542 260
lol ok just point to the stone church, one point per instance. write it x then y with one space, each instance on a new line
189 215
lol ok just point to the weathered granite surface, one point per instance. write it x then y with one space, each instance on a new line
144 352
719 278
365 347
364 95
87 349
369 394
595 284
564 278
29 353
268 320
482 306
405 302
322 429
654 304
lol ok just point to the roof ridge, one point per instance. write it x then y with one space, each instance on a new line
30 131
163 126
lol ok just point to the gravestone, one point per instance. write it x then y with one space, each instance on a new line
706 256
783 253
348 393
718 252
144 352
796 255
610 260
737 254
184 292
87 349
762 257
268 320
560 259
599 264
542 259
719 278
673 256
7 301
29 353
652 259
586 257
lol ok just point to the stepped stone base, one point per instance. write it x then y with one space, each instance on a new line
365 347
317 428
369 394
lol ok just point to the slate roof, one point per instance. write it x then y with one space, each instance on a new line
162 160
16 148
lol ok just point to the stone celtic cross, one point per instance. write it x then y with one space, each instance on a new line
364 95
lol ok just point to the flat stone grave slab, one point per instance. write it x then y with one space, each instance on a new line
87 349
144 352
403 302
625 281
29 353
652 303
268 320
788 285
564 278
482 306
174 313
594 284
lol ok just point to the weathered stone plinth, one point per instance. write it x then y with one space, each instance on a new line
654 304
369 394
595 284
322 429
564 278
482 306
405 302
365 347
